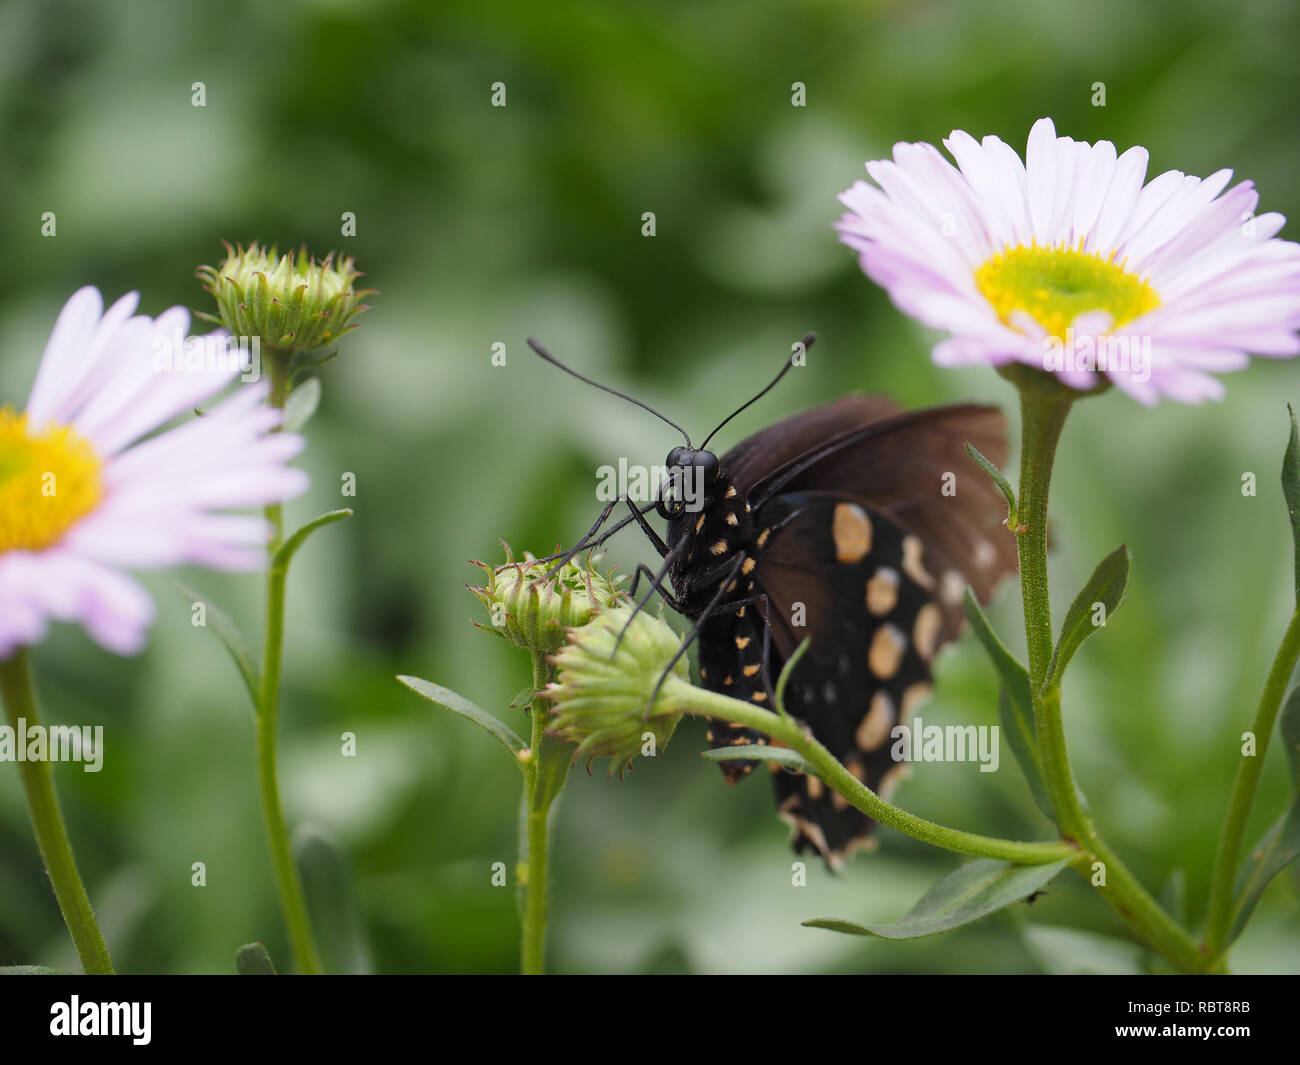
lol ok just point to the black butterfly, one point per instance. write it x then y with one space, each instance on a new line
856 525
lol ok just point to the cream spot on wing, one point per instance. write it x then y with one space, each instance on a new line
747 566
876 722
925 633
952 586
732 519
915 695
885 654
851 530
815 787
718 547
743 641
762 537
700 524
912 561
882 591
731 492
749 671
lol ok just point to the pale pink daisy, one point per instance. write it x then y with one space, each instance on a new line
84 497
1070 263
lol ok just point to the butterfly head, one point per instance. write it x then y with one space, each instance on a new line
693 474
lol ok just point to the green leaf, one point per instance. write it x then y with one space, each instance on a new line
1173 897
1280 845
970 892
301 405
1291 491
786 672
31 970
253 960
1003 485
761 751
1105 586
449 700
229 635
1018 728
331 900
1015 703
290 547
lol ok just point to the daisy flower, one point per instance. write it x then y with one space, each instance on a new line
1072 263
87 493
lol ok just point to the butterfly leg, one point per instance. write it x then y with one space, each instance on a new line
587 543
656 581
723 575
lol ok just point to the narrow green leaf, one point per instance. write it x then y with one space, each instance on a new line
1173 897
290 547
1018 728
301 405
1105 587
1291 491
786 671
1015 703
763 753
331 900
1280 845
253 960
229 635
1003 484
970 892
449 700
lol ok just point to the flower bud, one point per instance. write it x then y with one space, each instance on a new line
602 700
292 302
533 613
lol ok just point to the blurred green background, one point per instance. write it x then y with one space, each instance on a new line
482 224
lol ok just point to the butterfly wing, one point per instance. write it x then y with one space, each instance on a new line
864 546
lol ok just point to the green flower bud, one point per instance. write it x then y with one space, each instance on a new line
292 302
602 698
534 614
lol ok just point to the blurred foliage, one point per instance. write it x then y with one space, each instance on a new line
481 225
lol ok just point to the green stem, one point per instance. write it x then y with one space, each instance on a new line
1244 786
1044 405
19 696
785 731
544 777
293 902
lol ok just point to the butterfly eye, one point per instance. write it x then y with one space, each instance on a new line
707 461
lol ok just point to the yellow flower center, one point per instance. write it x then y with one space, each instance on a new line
48 483
1055 285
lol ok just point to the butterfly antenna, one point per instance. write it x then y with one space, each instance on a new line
805 344
604 388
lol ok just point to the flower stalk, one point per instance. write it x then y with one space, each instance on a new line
1244 786
19 697
545 772
1044 404
293 901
